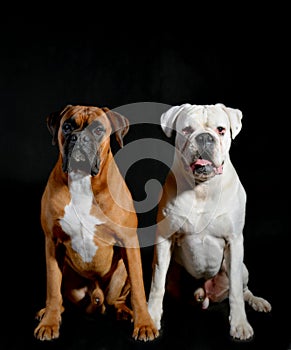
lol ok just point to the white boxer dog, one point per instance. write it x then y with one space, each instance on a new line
201 214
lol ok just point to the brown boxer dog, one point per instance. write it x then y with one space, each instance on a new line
88 217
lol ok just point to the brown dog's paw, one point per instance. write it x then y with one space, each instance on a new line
39 315
47 332
145 332
48 328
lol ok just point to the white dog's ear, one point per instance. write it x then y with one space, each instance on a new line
235 117
168 119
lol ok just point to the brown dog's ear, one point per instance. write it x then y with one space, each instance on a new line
53 123
119 123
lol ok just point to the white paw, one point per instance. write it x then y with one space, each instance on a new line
242 330
157 323
156 317
260 304
157 320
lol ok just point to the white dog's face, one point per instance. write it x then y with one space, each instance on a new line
203 136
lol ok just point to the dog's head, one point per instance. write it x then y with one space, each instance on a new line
83 135
203 136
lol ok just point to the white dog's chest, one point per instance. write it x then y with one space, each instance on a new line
201 254
188 214
200 232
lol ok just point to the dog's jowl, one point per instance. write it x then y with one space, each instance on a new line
88 218
201 215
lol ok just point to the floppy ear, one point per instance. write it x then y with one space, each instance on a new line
168 119
53 123
235 117
119 124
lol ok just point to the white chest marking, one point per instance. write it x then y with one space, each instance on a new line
77 222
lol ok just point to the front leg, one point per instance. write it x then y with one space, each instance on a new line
50 316
144 328
239 325
161 262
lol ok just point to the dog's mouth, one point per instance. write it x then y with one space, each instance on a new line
81 161
85 166
81 149
204 168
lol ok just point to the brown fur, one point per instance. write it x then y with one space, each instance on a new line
116 270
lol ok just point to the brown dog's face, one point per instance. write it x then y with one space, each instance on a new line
83 136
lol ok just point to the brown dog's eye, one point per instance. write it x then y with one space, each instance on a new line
67 128
221 130
98 130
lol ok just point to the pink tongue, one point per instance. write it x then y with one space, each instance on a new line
205 162
202 162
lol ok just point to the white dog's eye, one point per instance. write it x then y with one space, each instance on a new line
221 130
188 130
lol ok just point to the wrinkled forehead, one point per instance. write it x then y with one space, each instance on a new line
202 117
82 116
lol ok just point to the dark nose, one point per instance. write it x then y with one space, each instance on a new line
204 140
74 138
85 138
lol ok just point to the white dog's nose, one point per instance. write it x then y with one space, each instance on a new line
205 143
204 139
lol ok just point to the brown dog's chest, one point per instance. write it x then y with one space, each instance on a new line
84 247
98 266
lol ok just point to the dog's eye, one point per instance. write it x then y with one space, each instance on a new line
98 131
67 128
188 130
221 130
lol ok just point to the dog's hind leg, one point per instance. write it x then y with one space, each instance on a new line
118 291
216 289
257 303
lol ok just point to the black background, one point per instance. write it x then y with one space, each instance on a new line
95 58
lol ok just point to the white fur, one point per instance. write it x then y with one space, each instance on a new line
202 224
77 222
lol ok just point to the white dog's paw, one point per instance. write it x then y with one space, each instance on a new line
156 317
259 304
157 321
241 330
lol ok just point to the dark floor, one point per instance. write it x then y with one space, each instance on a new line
23 290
